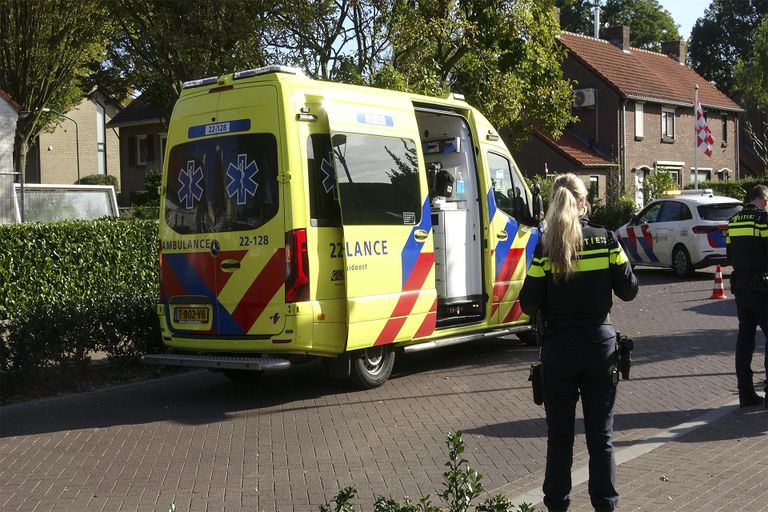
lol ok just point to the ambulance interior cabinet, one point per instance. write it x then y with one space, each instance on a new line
455 282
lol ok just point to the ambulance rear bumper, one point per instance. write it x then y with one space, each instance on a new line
254 363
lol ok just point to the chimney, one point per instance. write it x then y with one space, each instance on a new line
617 36
674 49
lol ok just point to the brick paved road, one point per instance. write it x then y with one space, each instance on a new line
292 441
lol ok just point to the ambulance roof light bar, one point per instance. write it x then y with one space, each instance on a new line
268 69
199 82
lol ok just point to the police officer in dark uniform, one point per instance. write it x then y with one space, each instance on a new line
747 248
576 269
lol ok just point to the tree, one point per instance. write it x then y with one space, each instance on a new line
649 23
751 81
46 47
722 36
503 55
162 43
342 40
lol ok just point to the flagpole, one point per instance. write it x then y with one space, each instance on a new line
695 135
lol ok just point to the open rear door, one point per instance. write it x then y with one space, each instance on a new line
388 244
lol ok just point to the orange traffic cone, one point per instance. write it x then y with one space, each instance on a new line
719 291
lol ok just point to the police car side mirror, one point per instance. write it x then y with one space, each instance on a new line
633 220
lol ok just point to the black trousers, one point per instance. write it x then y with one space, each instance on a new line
752 312
580 361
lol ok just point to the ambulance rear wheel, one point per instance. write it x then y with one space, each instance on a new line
371 367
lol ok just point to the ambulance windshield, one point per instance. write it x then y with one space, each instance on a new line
222 184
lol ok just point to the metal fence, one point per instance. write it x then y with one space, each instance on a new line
9 208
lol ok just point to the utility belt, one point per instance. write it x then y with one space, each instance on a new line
624 348
554 322
753 281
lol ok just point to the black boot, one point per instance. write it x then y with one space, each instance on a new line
748 399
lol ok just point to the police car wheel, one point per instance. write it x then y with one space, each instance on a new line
371 367
681 262
241 376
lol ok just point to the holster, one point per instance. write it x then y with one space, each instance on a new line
535 378
624 348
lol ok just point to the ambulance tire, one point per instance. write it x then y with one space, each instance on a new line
681 262
242 376
371 367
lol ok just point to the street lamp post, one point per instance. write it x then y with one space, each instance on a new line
77 137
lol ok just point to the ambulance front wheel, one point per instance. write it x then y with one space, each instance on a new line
371 367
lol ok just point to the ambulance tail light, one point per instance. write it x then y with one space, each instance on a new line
296 266
705 229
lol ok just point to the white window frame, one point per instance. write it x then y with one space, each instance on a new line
705 174
664 111
141 159
639 120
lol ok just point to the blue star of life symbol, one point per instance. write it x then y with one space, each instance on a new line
190 184
329 180
241 182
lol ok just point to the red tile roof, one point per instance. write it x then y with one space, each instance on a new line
642 74
7 97
573 149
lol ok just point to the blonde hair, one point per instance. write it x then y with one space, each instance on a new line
562 239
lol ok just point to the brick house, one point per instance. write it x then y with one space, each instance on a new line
82 144
143 136
635 111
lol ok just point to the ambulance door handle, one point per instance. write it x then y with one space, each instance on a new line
230 265
420 235
502 235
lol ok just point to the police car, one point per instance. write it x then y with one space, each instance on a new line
683 231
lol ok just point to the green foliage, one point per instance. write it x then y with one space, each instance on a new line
52 263
656 183
93 282
100 179
649 23
162 43
46 48
148 197
503 56
751 72
737 189
614 212
461 487
723 36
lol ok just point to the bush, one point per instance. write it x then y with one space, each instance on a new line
100 179
461 486
52 263
737 189
656 183
75 287
149 196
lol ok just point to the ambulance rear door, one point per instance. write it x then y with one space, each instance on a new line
388 246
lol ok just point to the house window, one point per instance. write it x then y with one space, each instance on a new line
101 163
667 124
724 123
141 150
594 187
638 121
163 144
704 175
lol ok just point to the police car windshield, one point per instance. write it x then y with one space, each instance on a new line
721 211
222 184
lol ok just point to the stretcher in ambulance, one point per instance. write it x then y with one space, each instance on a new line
303 219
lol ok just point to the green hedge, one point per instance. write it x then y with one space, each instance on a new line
100 179
737 189
51 263
76 287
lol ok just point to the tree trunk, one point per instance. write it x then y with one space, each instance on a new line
20 152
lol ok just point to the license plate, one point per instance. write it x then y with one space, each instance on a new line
191 315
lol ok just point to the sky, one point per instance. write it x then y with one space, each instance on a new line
685 13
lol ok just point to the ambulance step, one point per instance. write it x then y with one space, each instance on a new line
455 340
218 361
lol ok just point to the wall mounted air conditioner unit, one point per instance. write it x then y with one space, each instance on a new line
584 97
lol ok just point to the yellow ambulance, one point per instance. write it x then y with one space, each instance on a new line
303 219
